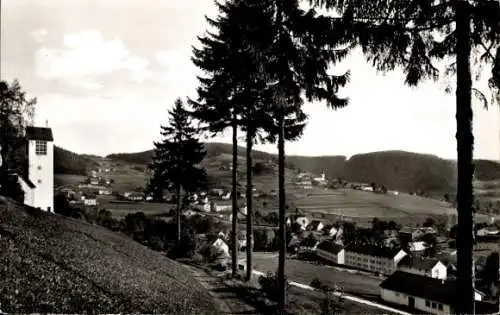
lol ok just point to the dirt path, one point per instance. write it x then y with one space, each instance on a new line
229 302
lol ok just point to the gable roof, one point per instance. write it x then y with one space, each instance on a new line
421 286
39 133
315 223
331 247
373 250
417 262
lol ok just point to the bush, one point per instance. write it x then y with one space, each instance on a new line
316 283
269 285
197 258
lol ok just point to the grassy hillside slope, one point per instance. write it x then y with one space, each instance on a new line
52 264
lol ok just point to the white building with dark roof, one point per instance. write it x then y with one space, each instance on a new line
331 251
38 185
428 295
383 260
428 267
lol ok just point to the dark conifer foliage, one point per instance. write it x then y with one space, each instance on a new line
233 92
265 76
16 112
414 35
177 158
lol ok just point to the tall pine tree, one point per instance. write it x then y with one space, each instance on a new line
233 92
177 158
413 35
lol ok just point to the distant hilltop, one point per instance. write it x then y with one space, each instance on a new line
397 170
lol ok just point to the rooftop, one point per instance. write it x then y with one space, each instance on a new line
330 247
417 262
373 250
39 133
421 286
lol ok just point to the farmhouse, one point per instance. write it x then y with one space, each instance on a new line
315 225
331 251
135 196
428 267
89 200
418 246
301 220
407 235
426 294
374 258
38 183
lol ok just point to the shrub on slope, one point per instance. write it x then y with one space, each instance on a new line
51 264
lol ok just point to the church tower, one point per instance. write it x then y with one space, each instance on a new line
41 167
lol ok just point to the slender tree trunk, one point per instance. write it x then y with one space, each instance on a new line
249 203
234 197
282 231
178 196
465 144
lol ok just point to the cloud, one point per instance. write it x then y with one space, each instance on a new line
39 35
86 55
179 72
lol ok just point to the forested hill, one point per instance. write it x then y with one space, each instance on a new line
398 170
67 162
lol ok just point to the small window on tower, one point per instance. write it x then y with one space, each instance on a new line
39 167
39 181
41 148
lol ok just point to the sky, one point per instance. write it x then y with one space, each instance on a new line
105 73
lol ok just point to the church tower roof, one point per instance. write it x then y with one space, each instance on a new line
39 133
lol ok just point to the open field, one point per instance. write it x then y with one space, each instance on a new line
65 266
67 179
304 272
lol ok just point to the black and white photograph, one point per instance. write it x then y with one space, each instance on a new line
250 157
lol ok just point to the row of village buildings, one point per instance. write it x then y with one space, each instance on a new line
412 280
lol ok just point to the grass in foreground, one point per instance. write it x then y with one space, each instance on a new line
52 264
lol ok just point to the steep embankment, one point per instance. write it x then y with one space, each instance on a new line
51 264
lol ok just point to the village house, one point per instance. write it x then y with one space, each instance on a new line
105 191
428 267
315 225
383 260
301 220
135 196
331 252
329 230
38 181
487 231
308 243
426 294
417 246
407 235
89 200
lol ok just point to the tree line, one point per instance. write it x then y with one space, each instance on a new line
266 57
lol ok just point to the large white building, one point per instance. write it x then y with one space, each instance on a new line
428 295
383 260
423 266
38 186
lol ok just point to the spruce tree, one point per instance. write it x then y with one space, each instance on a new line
413 35
233 92
177 158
